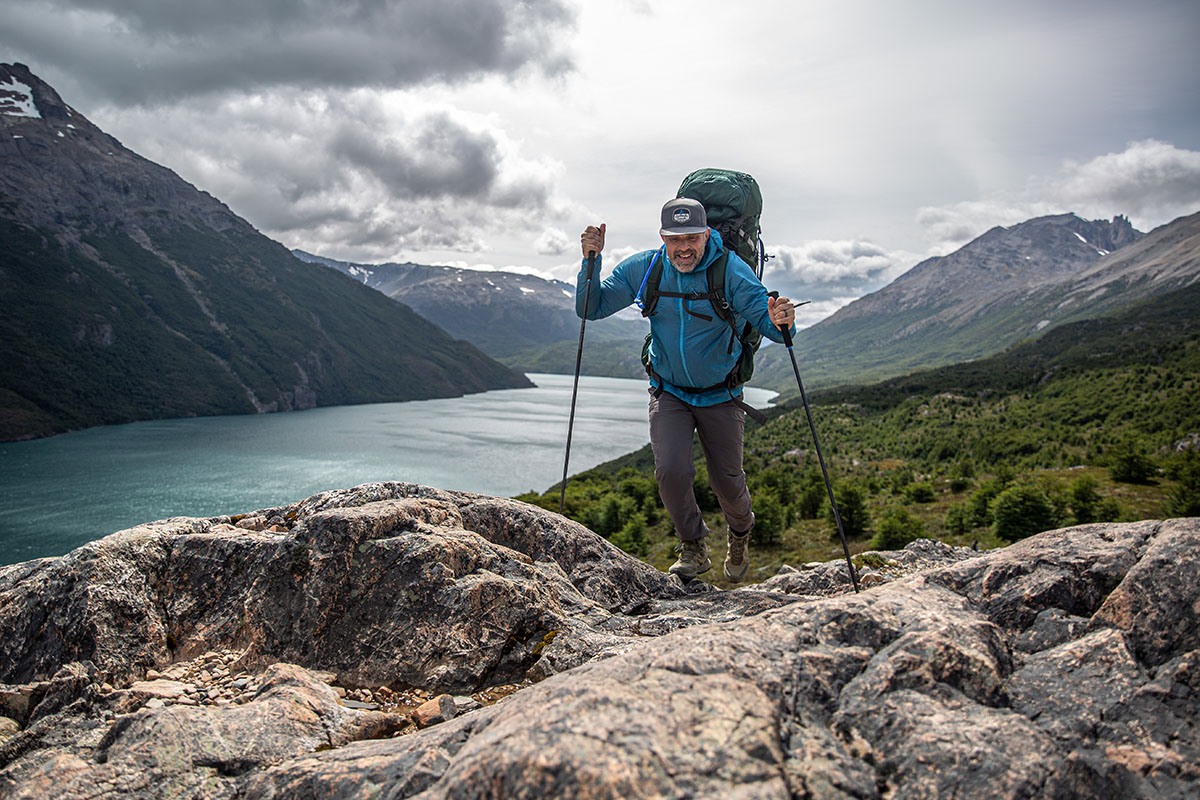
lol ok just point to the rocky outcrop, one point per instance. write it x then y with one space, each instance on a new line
1067 665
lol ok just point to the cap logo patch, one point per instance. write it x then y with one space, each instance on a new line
681 215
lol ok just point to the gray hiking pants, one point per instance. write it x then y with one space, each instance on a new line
721 427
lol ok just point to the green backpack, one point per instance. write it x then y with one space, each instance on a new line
733 203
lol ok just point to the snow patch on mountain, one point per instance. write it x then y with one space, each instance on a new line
16 99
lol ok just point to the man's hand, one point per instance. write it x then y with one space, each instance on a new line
592 239
782 312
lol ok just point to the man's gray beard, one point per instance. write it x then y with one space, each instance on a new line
685 270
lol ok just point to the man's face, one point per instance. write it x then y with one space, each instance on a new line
686 251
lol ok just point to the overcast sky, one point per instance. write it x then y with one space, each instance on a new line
487 134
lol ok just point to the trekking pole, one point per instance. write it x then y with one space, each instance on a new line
587 296
837 517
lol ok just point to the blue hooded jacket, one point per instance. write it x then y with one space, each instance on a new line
684 349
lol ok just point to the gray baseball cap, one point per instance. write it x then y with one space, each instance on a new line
683 216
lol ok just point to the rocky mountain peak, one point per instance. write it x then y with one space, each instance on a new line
59 166
1002 263
23 94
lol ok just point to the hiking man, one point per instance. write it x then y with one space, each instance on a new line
692 354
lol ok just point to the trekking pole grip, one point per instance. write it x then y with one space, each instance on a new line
786 331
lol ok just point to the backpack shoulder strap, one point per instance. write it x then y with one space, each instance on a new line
647 294
716 286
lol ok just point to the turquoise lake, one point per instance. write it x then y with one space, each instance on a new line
59 493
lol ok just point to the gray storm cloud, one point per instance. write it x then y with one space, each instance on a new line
364 172
306 116
134 52
437 157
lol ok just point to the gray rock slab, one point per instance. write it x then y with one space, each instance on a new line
1066 665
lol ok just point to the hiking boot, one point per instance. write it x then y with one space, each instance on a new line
737 562
693 559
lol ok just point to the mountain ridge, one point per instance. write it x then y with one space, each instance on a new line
131 294
524 321
1006 285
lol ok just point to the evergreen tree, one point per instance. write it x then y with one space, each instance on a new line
852 505
1084 499
897 528
1128 464
1184 500
632 537
1021 511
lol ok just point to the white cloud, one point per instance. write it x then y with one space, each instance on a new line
831 273
1151 182
552 242
826 260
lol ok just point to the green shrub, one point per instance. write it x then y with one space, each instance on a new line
900 479
812 498
1021 511
1084 498
611 514
1004 475
1127 463
1109 510
769 519
981 502
960 517
897 528
919 493
632 537
1184 499
852 506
